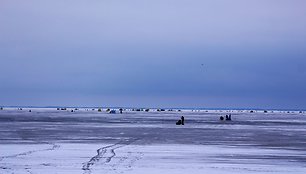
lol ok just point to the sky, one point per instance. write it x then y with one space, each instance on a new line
161 53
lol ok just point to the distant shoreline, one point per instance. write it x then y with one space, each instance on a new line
166 108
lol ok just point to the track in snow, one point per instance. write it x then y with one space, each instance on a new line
105 154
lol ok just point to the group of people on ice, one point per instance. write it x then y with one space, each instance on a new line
181 121
227 117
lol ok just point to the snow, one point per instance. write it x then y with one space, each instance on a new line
51 141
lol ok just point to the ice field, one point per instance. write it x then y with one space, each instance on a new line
87 141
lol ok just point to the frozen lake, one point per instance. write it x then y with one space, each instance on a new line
86 141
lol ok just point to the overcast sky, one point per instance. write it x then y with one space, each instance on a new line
159 53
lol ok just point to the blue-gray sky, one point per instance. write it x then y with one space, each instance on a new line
161 53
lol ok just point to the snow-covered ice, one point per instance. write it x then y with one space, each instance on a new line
87 141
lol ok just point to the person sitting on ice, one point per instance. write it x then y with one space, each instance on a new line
221 118
179 122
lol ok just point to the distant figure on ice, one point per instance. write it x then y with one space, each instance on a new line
112 111
179 122
227 117
120 110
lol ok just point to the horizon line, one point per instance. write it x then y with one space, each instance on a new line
129 107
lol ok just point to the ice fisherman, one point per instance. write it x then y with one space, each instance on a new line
183 120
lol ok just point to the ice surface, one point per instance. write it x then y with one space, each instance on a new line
86 141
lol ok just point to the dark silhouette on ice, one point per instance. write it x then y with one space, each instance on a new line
112 111
228 117
179 122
